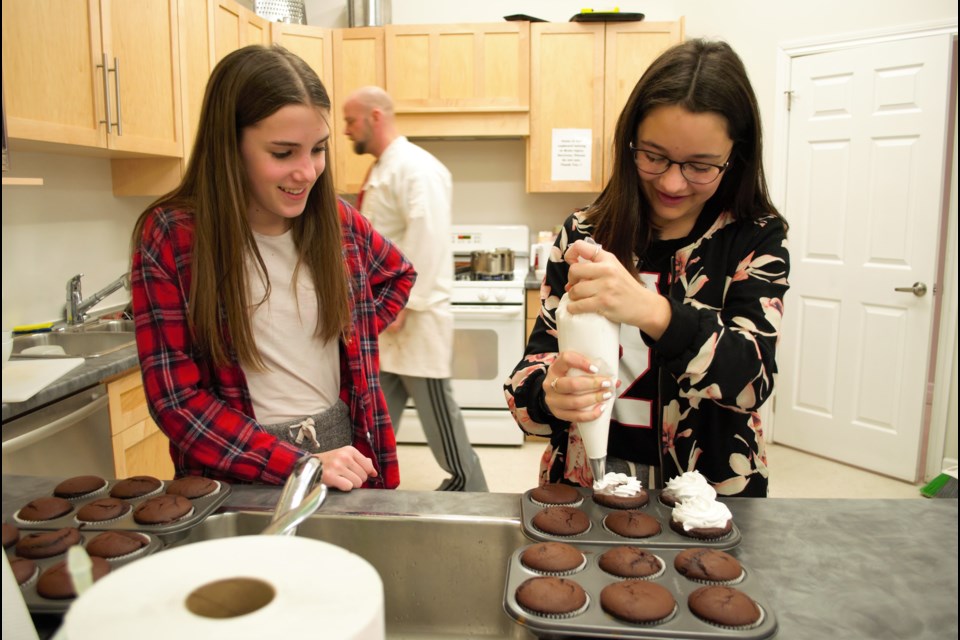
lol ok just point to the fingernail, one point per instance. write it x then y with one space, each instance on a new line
607 395
593 369
605 384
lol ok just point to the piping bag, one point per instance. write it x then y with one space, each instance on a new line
598 339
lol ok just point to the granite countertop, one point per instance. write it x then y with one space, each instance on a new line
91 373
837 568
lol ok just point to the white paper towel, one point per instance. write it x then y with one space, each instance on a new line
319 590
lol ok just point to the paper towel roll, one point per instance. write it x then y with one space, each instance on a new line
234 588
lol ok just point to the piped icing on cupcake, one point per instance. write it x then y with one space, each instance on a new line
690 484
618 484
700 513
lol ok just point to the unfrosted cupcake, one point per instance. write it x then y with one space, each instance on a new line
552 558
630 562
725 607
638 601
708 566
700 518
552 597
687 485
556 493
561 521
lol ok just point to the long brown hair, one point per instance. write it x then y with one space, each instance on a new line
245 87
700 76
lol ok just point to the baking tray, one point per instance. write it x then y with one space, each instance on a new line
202 507
598 534
38 604
594 622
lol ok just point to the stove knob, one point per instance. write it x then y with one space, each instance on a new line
501 296
484 296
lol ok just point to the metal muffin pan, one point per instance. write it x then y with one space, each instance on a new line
202 507
599 534
38 604
594 622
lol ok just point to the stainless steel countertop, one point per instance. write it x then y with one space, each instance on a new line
91 373
831 568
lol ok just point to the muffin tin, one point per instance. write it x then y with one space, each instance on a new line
38 604
599 534
202 507
594 622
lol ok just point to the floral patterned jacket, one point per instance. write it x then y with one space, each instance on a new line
716 360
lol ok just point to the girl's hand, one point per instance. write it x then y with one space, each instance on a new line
576 398
345 468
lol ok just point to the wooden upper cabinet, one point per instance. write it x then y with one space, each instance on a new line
235 26
468 79
358 61
58 91
581 76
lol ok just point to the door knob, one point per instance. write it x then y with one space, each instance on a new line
918 289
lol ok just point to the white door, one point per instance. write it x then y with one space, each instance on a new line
865 185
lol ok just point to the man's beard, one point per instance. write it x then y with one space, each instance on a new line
360 147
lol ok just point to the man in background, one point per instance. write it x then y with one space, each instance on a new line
407 196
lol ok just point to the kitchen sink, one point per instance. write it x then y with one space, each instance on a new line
108 326
71 344
443 576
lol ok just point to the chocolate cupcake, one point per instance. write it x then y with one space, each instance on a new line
638 601
620 491
561 521
701 518
116 544
46 544
632 524
725 607
556 493
79 486
10 535
708 565
551 597
556 558
193 487
135 487
23 569
691 484
43 509
630 562
56 584
164 509
102 510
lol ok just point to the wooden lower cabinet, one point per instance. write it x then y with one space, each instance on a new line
139 447
533 309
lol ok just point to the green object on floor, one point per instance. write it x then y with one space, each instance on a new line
943 486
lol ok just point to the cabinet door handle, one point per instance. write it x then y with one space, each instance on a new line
106 92
116 83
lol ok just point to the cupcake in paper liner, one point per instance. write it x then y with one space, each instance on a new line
628 562
690 484
565 522
117 545
553 559
708 566
556 494
700 518
638 602
102 511
24 570
43 510
193 487
552 597
725 607
136 487
162 510
80 487
620 491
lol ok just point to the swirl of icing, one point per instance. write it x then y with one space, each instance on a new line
690 485
700 513
618 484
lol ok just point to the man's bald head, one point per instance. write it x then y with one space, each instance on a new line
369 118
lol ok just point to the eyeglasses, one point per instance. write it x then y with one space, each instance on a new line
695 172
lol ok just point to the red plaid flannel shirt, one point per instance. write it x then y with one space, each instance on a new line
206 410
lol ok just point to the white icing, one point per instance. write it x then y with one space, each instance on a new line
618 484
700 513
690 485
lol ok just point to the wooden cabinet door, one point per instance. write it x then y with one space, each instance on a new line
630 48
567 89
139 447
235 26
52 87
358 61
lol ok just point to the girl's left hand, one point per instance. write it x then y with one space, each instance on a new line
600 284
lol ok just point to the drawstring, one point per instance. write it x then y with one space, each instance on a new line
308 430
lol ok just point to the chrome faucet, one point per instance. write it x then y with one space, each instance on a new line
295 504
76 307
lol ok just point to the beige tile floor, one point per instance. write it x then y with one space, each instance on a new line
793 474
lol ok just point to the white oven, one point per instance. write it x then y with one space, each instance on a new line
489 325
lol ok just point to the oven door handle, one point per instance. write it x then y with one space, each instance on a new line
55 427
478 311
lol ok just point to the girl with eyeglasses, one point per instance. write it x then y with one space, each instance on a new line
685 249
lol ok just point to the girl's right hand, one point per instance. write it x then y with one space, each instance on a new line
345 468
576 398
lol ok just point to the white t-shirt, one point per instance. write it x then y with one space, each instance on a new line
302 375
